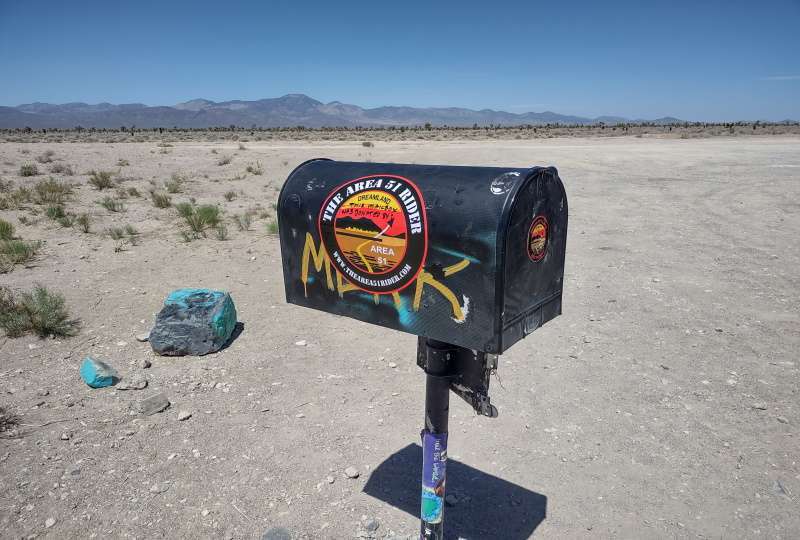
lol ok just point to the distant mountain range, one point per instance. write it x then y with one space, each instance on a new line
287 111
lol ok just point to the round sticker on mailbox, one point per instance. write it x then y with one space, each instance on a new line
537 239
374 230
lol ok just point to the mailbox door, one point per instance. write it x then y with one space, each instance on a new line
535 247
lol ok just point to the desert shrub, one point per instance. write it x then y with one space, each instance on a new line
160 200
133 192
5 187
7 420
256 169
221 231
200 218
67 221
45 157
272 227
55 212
112 205
84 223
101 179
41 312
14 252
28 169
184 209
164 144
367 144
229 195
116 233
123 162
6 230
62 168
175 183
224 160
243 221
51 191
242 147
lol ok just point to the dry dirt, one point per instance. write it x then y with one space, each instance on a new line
662 404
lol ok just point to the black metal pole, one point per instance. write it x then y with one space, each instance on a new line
439 359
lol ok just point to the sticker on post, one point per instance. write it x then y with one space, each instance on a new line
434 467
374 229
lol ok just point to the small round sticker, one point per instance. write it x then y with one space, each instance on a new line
537 239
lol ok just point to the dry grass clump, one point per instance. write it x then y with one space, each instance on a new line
101 179
123 162
224 160
55 212
160 200
243 221
256 169
45 157
84 223
272 227
112 205
62 168
175 183
14 252
124 236
40 312
51 191
367 144
229 195
28 169
7 420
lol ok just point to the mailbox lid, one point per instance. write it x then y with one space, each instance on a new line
454 295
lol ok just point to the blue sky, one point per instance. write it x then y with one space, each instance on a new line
697 60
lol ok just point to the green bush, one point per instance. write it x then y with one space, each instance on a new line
40 311
28 169
55 212
84 222
6 230
112 205
13 252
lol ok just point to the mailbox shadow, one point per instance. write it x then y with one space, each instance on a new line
488 507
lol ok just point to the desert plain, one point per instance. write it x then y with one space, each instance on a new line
663 403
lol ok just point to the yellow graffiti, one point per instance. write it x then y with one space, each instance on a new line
320 258
427 278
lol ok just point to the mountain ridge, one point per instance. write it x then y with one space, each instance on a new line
286 111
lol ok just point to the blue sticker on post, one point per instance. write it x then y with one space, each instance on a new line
434 465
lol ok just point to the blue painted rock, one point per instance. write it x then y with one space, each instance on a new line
193 322
98 374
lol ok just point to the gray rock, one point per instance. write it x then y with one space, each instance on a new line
371 524
184 415
193 322
277 533
761 406
134 383
782 419
351 472
144 363
153 404
143 337
49 522
158 488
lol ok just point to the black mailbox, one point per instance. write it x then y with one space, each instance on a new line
472 256
470 259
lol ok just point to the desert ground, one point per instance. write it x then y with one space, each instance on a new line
663 403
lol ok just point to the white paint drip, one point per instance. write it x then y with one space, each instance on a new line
464 310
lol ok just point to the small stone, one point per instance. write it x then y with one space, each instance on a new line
144 363
277 533
392 365
371 524
97 374
43 392
172 456
143 337
351 472
656 280
204 513
184 415
49 522
158 488
761 406
134 383
153 404
196 453
299 415
301 343
65 436
782 419
451 500
330 479
122 343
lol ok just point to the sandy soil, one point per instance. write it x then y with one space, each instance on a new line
663 404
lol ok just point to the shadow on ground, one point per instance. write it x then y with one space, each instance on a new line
488 507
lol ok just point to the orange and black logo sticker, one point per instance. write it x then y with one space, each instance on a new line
374 230
537 239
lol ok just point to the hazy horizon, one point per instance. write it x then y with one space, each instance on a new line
719 61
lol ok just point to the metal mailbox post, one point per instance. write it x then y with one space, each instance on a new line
470 259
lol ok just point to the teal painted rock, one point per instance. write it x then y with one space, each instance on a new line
98 374
193 322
